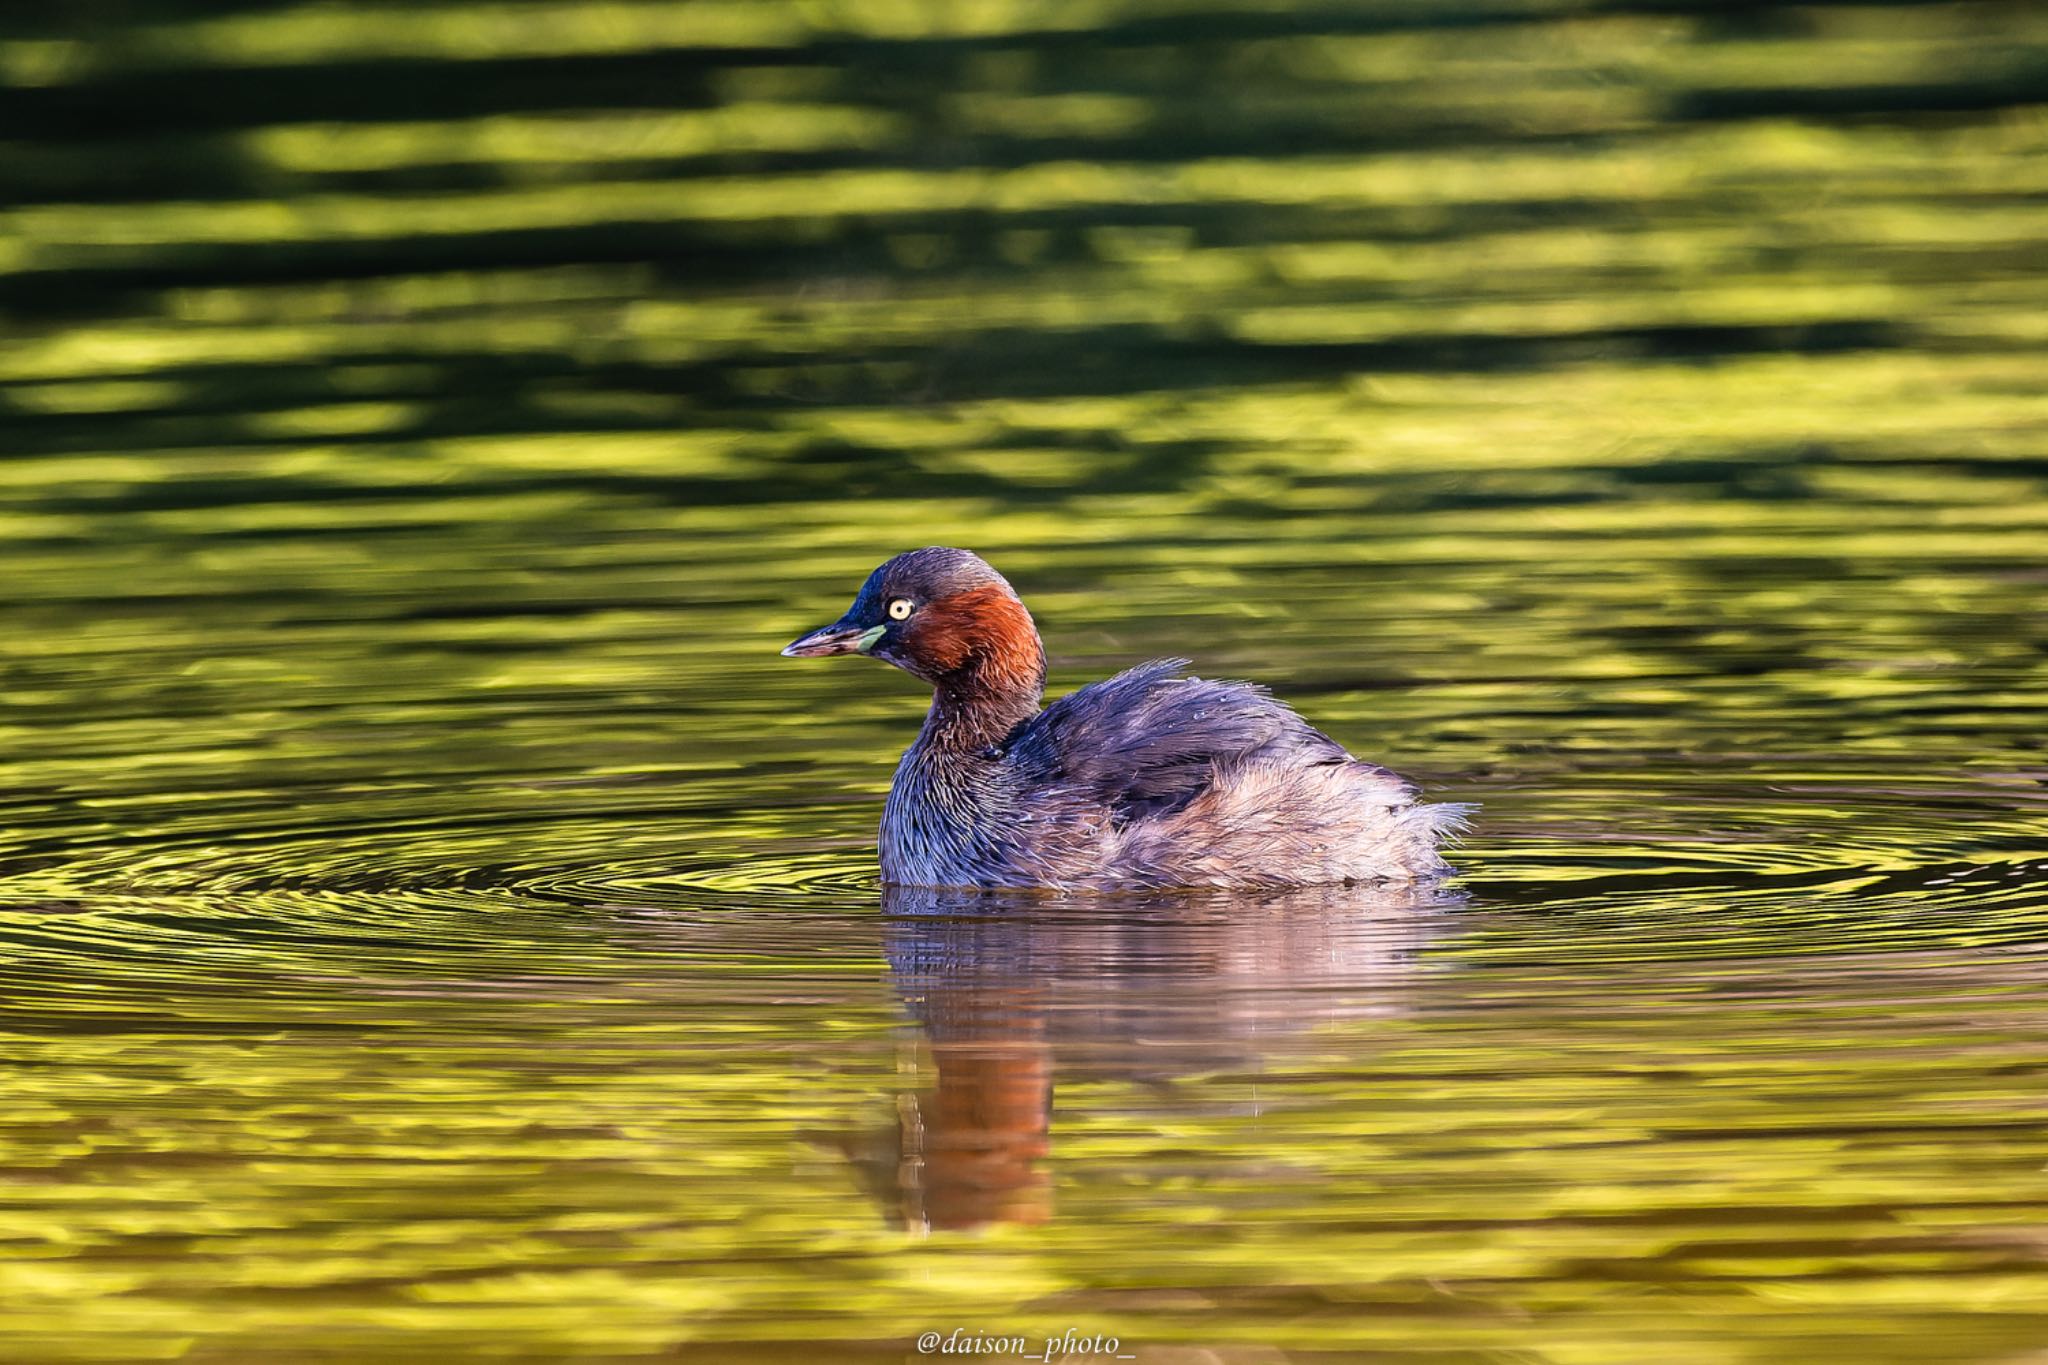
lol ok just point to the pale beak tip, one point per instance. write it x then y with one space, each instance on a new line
837 638
813 644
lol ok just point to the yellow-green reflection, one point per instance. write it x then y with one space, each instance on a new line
434 921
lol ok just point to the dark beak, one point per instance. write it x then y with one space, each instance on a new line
841 637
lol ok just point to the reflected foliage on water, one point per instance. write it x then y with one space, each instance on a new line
433 920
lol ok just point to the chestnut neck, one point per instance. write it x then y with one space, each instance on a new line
987 670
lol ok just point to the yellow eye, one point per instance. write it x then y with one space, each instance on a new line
899 607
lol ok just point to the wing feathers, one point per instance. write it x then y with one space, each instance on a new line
1150 740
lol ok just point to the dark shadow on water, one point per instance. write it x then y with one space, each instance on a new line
1016 993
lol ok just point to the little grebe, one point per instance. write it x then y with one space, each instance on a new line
1149 779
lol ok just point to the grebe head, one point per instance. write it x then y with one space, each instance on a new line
942 615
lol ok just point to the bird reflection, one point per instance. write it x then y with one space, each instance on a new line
1011 989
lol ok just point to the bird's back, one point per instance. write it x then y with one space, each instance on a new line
1154 778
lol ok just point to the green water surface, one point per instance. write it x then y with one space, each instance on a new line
434 924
